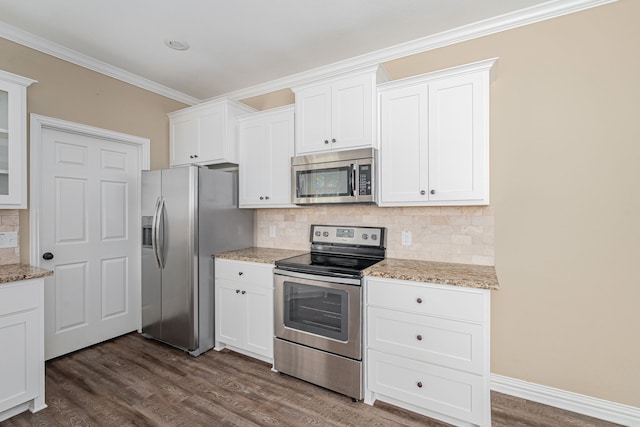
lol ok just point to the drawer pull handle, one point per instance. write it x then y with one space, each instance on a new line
419 384
240 273
419 300
419 337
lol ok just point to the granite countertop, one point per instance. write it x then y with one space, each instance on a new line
263 255
443 273
467 275
17 272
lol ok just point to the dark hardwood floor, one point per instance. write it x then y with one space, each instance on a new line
131 381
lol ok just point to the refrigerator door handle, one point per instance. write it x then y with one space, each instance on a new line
154 232
160 238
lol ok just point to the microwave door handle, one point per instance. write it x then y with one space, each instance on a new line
353 179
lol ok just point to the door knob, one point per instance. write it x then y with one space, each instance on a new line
47 256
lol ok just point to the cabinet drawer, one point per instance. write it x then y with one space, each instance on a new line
450 343
423 298
244 272
447 391
20 296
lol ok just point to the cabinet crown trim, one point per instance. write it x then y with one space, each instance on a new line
378 70
209 104
14 78
266 113
473 67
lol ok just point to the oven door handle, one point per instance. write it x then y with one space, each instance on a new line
337 280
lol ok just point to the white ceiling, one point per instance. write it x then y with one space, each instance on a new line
235 44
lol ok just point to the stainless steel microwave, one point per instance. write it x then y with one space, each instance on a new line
334 177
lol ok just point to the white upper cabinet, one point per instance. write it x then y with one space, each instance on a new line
265 143
434 147
13 144
338 113
205 134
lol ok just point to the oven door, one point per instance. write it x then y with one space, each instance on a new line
320 312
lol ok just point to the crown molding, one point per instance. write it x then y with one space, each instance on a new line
542 12
531 15
40 44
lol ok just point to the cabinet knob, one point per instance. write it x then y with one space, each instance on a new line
419 300
433 191
419 337
191 156
266 197
261 198
326 141
240 273
333 141
195 156
244 292
423 192
237 291
419 384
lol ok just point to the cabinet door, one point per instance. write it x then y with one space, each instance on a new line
457 138
13 116
229 312
19 358
184 140
404 145
212 135
254 163
259 320
280 134
352 113
313 119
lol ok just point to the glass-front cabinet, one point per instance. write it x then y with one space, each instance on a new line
13 134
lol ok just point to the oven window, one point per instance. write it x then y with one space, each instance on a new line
318 310
330 182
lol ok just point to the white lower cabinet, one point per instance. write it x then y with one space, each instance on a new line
428 349
22 349
244 308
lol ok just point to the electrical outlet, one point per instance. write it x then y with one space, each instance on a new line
8 239
406 238
272 231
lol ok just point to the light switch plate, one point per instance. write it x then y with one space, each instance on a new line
8 239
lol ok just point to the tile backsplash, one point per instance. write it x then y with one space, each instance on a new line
9 222
447 234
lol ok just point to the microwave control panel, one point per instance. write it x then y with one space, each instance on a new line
363 236
364 180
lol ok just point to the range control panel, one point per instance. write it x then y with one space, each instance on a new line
362 236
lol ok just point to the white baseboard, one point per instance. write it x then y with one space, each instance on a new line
586 405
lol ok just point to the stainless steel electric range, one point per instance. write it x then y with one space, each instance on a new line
318 307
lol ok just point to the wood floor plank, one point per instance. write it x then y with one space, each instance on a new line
133 381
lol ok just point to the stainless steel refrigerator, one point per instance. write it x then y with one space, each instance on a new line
188 214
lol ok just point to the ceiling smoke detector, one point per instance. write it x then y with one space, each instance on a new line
177 44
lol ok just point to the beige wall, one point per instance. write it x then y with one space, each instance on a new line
565 149
69 92
565 146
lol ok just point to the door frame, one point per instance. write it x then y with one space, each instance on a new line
38 123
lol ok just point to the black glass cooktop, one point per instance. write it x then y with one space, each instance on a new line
327 264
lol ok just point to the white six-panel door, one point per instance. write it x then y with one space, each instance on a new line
89 208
